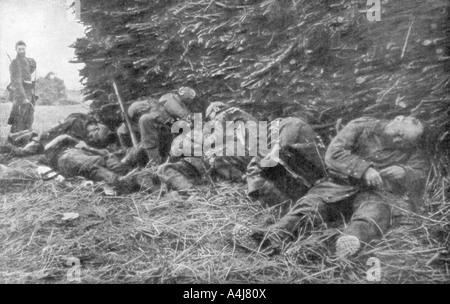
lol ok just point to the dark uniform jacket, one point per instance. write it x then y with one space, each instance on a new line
21 69
21 82
363 144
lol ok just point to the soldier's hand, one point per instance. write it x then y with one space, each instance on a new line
81 145
393 172
28 102
373 178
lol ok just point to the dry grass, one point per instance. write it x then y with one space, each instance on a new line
166 238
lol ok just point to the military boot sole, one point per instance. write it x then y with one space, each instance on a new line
347 246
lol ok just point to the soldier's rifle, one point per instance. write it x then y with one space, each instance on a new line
9 57
10 61
125 115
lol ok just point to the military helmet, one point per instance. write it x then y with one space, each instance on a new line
213 108
187 93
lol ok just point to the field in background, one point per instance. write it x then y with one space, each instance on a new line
74 96
44 118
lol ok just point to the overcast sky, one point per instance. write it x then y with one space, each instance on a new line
48 27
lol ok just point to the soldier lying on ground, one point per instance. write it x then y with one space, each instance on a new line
78 125
153 121
372 164
72 157
300 165
183 173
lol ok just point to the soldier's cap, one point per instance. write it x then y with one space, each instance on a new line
214 107
187 92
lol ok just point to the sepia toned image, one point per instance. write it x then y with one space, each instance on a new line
224 142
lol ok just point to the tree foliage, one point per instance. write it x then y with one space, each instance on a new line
50 89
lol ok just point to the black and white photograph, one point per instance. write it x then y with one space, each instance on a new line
231 145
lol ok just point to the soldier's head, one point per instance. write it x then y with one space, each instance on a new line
404 132
98 135
21 48
186 94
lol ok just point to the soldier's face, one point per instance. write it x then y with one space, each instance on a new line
404 131
21 50
98 133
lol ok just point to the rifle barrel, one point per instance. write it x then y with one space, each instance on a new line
125 114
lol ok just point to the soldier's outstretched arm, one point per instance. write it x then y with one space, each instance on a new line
84 146
61 140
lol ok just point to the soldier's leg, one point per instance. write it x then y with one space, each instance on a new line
26 118
124 136
78 162
370 220
260 188
14 117
165 141
150 137
31 148
75 162
114 164
309 212
29 119
231 167
183 174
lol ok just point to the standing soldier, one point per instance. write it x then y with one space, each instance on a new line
21 69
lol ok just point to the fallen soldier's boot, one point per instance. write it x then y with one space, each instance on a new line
14 151
153 156
127 183
135 157
244 237
256 239
347 245
148 181
137 181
